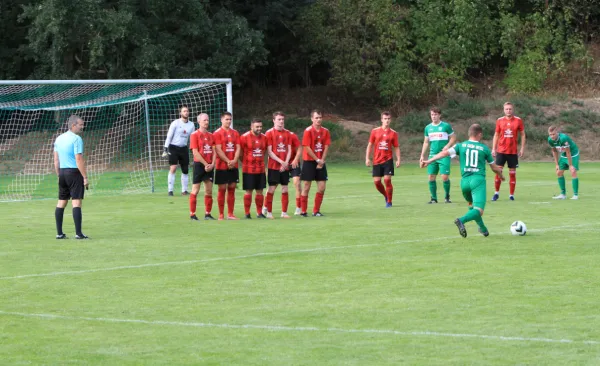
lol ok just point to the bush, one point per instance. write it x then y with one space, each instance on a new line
413 122
469 108
528 73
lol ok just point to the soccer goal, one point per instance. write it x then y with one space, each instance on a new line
126 123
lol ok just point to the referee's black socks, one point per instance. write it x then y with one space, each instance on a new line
77 217
58 216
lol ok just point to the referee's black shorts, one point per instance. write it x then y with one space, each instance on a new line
70 184
227 176
310 171
201 175
512 160
179 155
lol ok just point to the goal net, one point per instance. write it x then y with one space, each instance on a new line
126 123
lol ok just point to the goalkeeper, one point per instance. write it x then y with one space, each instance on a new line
176 149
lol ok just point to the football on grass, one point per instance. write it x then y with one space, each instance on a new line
518 228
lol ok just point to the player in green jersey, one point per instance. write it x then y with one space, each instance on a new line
569 159
473 156
439 136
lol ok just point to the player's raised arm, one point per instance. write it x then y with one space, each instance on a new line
438 156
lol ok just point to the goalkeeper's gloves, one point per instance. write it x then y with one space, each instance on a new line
166 152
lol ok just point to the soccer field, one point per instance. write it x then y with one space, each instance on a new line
364 285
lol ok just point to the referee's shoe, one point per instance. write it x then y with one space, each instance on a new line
81 236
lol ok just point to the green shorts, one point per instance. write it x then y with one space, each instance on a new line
473 189
563 163
441 166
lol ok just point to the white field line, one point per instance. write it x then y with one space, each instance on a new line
280 328
268 254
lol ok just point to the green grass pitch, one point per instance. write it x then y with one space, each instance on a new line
363 285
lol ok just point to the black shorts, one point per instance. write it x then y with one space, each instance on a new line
70 184
276 177
295 172
201 175
179 155
254 181
310 171
386 168
512 160
227 176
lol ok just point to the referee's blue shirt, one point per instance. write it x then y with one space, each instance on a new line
67 145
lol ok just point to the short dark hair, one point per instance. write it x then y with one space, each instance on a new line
278 113
386 113
226 114
184 106
475 129
315 111
435 109
255 120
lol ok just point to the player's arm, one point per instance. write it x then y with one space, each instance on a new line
495 140
236 157
442 154
569 157
168 139
56 164
198 157
296 160
555 156
221 153
425 148
289 155
523 139
397 151
310 153
80 161
368 154
497 169
451 142
214 157
272 155
324 156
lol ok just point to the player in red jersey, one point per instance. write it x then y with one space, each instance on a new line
254 147
315 144
504 147
280 152
295 169
384 139
202 144
227 144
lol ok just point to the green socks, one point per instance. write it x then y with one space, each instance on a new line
470 216
447 188
433 189
561 184
575 185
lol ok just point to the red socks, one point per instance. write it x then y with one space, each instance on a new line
303 203
512 181
230 200
259 200
380 188
318 201
389 188
269 203
221 200
298 203
285 201
208 202
497 182
192 204
247 203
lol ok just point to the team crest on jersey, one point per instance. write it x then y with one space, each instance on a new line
383 145
257 153
508 133
207 149
281 147
230 147
318 147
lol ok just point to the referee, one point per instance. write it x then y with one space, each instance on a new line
72 175
176 149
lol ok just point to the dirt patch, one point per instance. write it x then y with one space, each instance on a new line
355 127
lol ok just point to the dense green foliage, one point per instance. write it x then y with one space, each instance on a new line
400 49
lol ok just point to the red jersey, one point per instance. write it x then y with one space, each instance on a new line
383 140
279 141
316 140
227 139
254 149
204 143
508 129
295 144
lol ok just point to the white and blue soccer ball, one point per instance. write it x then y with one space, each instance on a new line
518 228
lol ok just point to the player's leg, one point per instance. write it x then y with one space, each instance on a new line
208 199
221 182
198 172
445 173
560 173
432 170
173 161
284 180
309 171
59 211
575 178
387 180
321 178
377 175
273 180
77 190
500 161
231 194
304 197
298 189
185 165
513 164
247 186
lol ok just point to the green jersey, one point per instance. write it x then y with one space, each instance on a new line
562 143
438 135
473 156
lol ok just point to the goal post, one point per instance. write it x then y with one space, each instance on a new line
126 123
